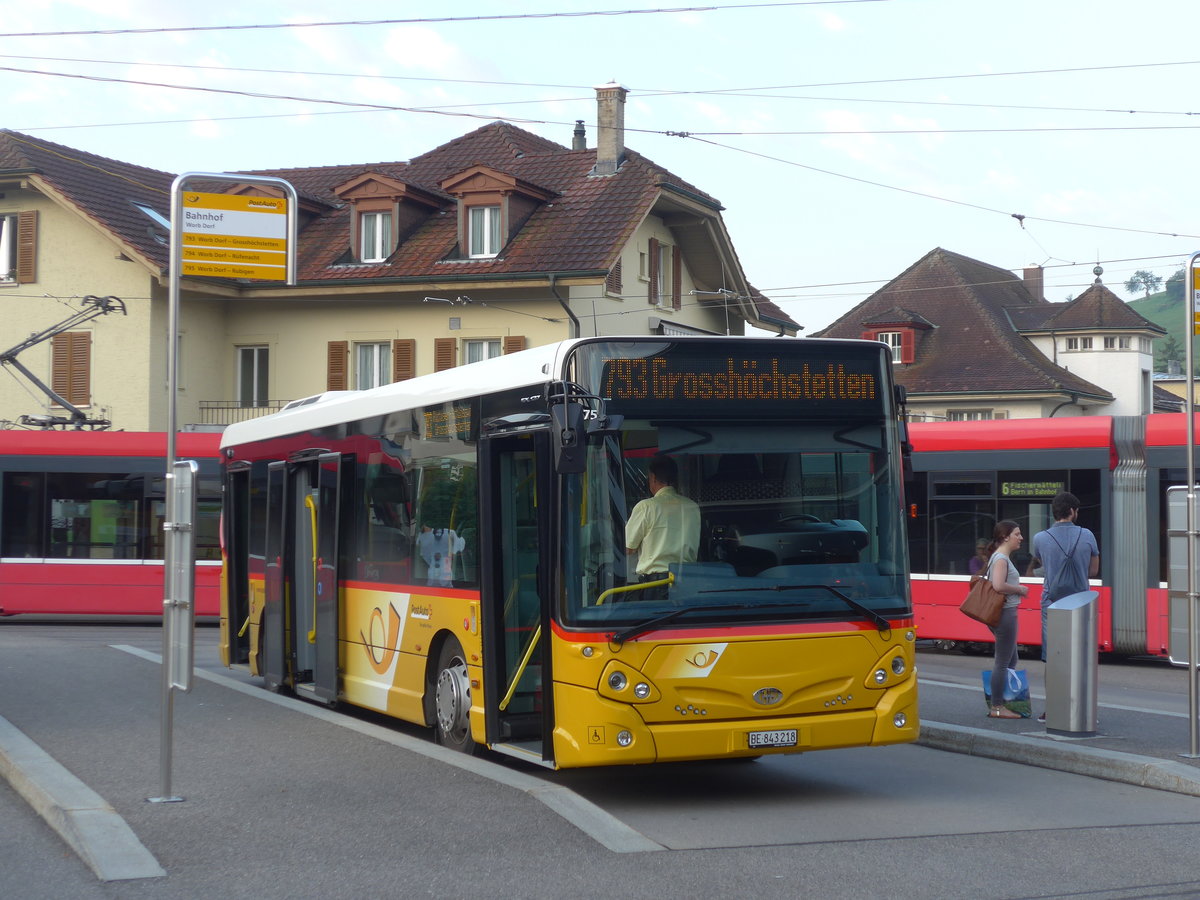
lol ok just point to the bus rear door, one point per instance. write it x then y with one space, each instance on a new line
300 616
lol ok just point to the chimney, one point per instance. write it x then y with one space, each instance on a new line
610 128
579 137
1035 283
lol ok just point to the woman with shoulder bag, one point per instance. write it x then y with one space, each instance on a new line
1006 540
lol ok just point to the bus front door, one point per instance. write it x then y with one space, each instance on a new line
517 686
300 617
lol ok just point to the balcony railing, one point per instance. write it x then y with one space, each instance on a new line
226 412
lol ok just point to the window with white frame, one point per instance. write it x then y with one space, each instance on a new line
372 364
483 231
477 351
8 249
894 340
1079 343
375 236
253 370
968 415
1144 344
1116 343
664 274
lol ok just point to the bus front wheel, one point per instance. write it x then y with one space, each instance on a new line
452 700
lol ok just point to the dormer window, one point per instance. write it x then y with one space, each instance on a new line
492 207
375 236
483 231
383 212
902 342
894 340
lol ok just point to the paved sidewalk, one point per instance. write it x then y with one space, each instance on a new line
1133 746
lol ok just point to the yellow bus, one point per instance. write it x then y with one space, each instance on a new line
452 550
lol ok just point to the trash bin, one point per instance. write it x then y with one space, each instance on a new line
1072 667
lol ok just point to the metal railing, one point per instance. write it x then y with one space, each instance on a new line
226 412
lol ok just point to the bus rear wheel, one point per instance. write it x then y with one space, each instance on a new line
452 700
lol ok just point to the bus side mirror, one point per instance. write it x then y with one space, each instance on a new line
569 437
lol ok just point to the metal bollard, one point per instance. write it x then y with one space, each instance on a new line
1072 666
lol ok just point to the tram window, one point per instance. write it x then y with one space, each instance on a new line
957 526
23 527
962 488
94 516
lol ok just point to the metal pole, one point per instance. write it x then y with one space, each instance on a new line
1190 407
167 716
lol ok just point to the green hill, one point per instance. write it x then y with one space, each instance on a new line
1166 310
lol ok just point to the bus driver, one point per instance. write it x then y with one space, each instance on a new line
665 527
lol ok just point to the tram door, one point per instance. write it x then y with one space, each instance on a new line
300 617
518 506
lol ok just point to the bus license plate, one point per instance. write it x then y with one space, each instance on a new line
786 738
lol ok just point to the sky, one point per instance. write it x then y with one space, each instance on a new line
845 139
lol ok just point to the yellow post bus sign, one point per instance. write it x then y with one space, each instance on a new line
234 236
1195 301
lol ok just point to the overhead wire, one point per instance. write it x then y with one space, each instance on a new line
429 20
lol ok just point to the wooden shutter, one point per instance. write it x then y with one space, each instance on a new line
907 346
71 366
444 353
676 278
612 283
404 359
337 366
514 343
652 272
27 247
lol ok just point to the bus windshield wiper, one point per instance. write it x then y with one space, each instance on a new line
650 624
881 623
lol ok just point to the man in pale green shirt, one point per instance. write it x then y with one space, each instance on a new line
665 527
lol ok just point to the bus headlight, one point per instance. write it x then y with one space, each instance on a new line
880 676
898 665
625 684
624 738
899 720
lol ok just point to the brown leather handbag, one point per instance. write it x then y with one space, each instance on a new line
984 603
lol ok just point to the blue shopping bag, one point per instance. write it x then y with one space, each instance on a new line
1016 691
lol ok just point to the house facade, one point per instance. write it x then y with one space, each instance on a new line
493 242
973 341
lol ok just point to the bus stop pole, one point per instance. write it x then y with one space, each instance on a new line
167 716
1192 310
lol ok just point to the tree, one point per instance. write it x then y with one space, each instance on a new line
1143 281
1169 350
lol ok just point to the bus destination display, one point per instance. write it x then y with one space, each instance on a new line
742 383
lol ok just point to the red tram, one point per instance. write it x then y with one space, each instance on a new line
968 475
81 516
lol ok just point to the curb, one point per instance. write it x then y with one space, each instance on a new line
1111 765
82 818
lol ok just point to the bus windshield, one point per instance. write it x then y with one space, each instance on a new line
790 521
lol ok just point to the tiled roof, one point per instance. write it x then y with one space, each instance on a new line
1098 308
973 345
580 230
104 189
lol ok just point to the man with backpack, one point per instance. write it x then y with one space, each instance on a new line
1068 555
